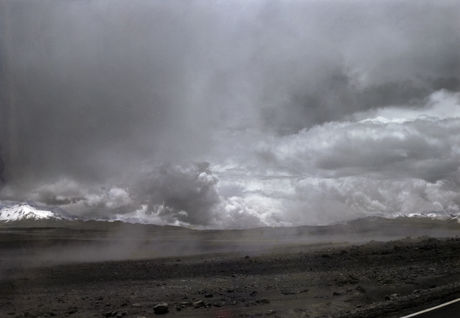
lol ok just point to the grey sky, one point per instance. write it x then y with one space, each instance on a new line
231 113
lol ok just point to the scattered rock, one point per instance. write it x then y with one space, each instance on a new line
392 296
360 289
161 308
199 304
72 310
287 292
117 314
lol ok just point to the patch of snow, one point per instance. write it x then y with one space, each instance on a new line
25 211
437 215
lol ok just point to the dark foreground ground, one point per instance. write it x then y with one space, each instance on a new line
221 277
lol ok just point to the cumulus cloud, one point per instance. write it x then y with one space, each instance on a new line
419 142
185 193
231 114
391 160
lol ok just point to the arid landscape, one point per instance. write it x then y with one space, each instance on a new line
366 268
229 158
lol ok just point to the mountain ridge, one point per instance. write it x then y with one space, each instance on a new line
27 211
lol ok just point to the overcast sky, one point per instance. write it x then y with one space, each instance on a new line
231 113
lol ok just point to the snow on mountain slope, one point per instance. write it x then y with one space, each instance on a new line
11 211
25 211
434 215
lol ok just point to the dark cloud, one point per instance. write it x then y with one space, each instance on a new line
107 104
186 194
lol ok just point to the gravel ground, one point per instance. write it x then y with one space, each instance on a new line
375 279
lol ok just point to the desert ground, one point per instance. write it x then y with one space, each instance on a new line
366 268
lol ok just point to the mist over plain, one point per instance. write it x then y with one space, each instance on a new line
231 113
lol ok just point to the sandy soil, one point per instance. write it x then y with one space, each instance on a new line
376 279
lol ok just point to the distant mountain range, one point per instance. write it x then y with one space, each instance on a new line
26 211
16 216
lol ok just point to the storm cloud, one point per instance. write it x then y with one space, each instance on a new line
231 113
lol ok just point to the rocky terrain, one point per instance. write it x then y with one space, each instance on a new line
82 271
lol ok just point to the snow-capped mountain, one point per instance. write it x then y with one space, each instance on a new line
14 211
25 211
436 215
